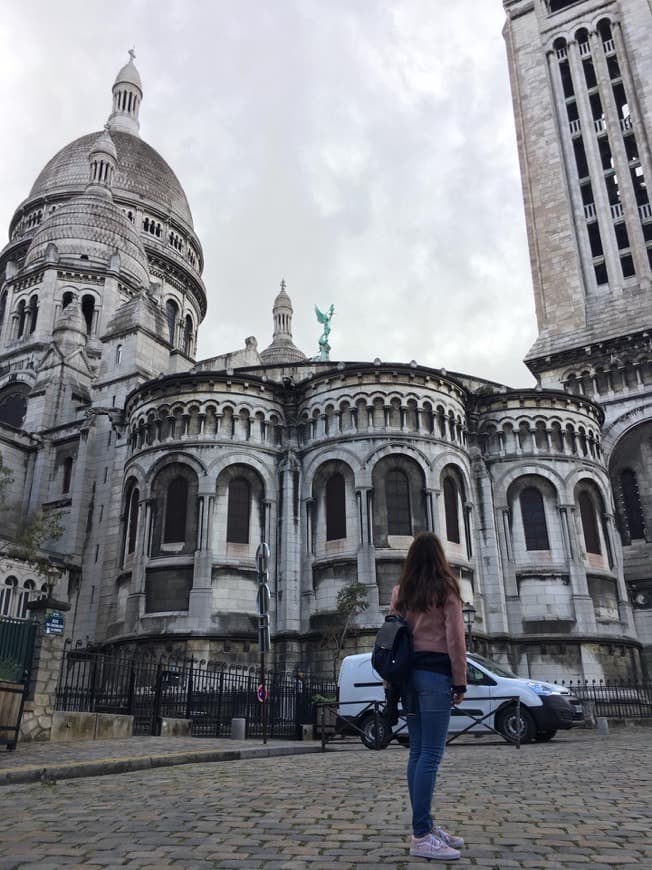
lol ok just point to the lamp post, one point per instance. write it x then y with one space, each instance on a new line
468 612
53 574
262 561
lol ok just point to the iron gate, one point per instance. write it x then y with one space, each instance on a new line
154 689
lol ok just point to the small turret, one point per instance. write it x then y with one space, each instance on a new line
69 331
282 313
127 96
282 350
102 159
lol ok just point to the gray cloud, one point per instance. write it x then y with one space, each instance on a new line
363 150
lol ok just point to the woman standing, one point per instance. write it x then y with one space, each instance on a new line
428 598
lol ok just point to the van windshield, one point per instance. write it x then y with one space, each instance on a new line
499 670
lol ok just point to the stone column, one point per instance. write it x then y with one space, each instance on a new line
200 604
40 704
366 551
582 601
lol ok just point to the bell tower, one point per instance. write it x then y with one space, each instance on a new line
581 74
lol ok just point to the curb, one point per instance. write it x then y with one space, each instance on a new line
106 766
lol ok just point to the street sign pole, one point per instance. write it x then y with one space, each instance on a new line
262 563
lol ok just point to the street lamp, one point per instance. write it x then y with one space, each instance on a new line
468 612
53 574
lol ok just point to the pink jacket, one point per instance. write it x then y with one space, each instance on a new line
440 629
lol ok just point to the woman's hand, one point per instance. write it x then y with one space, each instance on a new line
458 697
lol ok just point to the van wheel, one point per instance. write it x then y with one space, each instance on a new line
512 727
368 729
544 736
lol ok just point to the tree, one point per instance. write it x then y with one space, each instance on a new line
34 533
351 600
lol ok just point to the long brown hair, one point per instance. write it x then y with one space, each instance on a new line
426 578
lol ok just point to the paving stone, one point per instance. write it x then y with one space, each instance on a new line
578 802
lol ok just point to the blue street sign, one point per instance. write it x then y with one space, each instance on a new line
54 623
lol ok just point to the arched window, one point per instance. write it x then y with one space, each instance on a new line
534 519
589 523
187 335
451 511
132 520
21 318
632 504
67 299
118 355
176 509
25 596
397 496
33 313
7 590
237 524
67 474
88 310
13 406
3 307
335 508
172 313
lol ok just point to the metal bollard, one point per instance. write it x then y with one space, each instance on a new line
238 729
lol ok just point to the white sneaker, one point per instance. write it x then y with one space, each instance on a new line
449 839
432 848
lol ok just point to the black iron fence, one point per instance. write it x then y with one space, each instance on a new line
615 700
154 689
16 649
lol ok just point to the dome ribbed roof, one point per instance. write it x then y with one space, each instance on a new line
93 226
140 171
129 75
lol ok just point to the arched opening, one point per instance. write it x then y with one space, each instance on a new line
238 511
187 335
3 307
7 593
397 499
67 474
172 314
22 314
176 509
335 508
33 313
13 405
589 523
534 519
451 511
67 298
132 520
88 310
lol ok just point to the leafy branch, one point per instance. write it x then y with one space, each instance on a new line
351 600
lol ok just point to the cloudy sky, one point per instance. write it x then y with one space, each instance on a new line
363 150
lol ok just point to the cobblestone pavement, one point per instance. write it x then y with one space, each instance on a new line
31 762
581 801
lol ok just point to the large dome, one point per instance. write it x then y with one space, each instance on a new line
92 227
140 172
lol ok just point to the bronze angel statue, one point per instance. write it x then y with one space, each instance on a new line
325 320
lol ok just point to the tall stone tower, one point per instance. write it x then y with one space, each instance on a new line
581 74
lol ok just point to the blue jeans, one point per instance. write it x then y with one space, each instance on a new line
428 701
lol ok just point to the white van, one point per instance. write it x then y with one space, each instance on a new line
545 708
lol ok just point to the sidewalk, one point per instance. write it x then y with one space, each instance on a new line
48 762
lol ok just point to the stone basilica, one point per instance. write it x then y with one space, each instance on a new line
167 472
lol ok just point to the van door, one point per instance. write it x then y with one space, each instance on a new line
477 700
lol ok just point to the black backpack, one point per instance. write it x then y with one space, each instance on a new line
392 654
